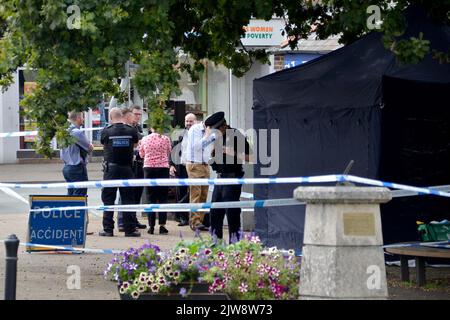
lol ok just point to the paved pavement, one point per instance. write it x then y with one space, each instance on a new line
42 172
44 276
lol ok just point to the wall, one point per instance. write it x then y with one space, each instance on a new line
9 121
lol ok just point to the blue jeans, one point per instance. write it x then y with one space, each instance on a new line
73 174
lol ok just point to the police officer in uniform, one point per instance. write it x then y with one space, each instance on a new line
132 117
231 150
119 141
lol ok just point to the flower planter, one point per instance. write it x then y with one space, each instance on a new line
199 291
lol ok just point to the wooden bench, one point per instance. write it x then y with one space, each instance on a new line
419 253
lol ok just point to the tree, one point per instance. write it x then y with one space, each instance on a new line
80 47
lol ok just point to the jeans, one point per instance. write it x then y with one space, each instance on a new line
74 173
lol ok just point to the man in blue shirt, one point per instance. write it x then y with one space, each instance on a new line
75 155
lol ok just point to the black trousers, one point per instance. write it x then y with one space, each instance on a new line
224 193
182 193
138 173
114 172
157 194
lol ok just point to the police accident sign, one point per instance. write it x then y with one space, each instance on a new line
56 227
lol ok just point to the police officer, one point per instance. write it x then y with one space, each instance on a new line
231 150
132 117
119 141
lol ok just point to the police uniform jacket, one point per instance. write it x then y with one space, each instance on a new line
118 140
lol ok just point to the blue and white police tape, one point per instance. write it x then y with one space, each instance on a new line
18 134
228 181
35 133
70 249
408 190
437 244
418 190
172 182
117 251
180 206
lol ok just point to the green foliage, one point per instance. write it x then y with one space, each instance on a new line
247 270
413 49
77 66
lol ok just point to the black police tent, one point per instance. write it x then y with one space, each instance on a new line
359 103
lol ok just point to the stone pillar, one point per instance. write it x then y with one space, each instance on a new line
342 252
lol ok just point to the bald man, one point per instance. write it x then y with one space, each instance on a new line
118 141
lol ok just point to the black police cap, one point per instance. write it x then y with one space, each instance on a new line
215 120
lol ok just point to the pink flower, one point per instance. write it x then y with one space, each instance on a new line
277 289
261 269
261 284
274 272
220 255
248 260
224 266
226 278
243 287
255 239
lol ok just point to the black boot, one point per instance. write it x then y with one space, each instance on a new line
163 230
106 234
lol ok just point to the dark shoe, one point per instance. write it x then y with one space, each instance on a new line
121 229
151 230
163 230
202 227
106 234
183 223
133 234
141 226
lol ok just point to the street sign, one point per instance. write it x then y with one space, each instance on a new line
56 228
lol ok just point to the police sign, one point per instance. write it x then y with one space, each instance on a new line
57 228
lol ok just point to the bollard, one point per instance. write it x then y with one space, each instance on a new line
12 245
342 253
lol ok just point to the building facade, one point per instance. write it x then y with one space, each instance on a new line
217 89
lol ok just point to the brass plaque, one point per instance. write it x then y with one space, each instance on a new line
359 224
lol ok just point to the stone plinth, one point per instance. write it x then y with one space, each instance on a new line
342 253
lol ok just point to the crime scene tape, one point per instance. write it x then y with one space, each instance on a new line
228 181
398 186
14 194
172 182
225 181
74 249
177 206
34 133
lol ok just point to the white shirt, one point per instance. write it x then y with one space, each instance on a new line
198 147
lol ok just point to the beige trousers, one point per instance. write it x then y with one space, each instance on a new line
197 194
